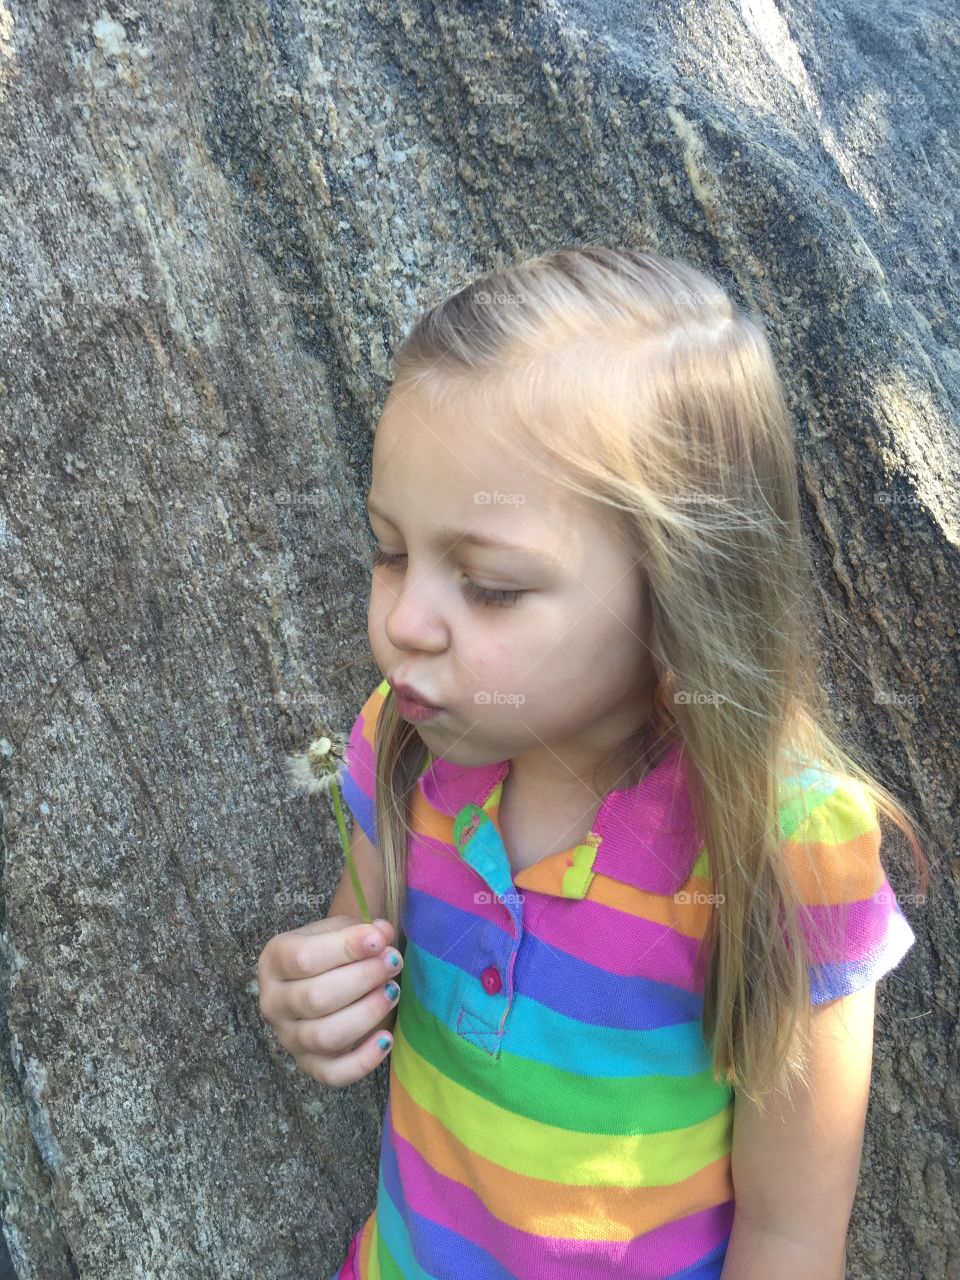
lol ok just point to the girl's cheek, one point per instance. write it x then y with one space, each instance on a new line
489 661
478 664
506 664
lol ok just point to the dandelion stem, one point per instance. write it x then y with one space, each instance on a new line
345 841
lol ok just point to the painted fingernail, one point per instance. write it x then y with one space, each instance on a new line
393 959
385 1043
392 990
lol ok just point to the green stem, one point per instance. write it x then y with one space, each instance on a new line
345 841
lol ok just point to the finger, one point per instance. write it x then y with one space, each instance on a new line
347 1068
342 1029
319 946
307 999
316 926
283 999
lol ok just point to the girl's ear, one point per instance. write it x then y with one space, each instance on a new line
662 673
665 719
663 694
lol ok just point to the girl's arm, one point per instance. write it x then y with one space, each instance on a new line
795 1170
756 1254
367 861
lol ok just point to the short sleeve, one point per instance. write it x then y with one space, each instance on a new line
359 773
850 918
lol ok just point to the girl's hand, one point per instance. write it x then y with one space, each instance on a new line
322 989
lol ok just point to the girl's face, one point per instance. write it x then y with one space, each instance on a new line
535 650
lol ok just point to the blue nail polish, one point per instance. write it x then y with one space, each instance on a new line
392 990
384 1043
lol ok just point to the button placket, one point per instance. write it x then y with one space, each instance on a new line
491 980
483 1011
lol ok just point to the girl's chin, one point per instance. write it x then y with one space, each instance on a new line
458 753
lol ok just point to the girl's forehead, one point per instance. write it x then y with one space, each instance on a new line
465 451
454 462
448 492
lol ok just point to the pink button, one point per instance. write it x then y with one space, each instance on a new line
491 981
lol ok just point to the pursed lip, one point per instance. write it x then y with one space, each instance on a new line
405 691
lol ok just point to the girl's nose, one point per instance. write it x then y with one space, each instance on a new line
414 622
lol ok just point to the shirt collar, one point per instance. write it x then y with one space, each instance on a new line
648 834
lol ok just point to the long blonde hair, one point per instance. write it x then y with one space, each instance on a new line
660 399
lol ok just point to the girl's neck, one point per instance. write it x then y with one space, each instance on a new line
639 755
550 778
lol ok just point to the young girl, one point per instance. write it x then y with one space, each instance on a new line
633 874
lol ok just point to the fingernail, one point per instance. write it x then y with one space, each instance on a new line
380 920
393 959
392 990
385 1043
373 942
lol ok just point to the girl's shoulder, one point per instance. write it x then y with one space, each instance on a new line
366 722
852 919
830 833
819 807
813 796
359 775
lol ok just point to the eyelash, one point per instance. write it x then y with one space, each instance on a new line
475 594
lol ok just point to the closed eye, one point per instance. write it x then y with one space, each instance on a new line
476 595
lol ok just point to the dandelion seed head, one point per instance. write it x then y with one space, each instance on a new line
305 777
315 769
319 748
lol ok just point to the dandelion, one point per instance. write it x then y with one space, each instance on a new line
318 770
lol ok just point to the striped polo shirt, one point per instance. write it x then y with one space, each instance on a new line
552 1113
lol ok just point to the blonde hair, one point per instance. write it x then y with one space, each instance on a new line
659 398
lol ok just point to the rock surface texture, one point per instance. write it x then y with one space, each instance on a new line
216 220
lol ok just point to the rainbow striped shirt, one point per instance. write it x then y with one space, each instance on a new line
552 1113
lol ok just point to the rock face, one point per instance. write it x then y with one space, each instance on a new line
215 223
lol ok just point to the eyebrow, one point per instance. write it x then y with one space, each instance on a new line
477 539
